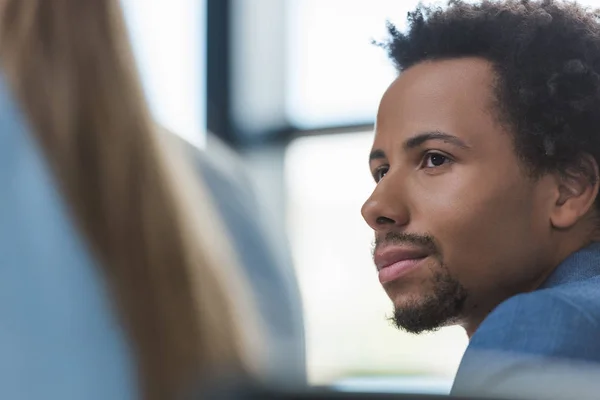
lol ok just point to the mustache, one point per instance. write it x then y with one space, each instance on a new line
425 241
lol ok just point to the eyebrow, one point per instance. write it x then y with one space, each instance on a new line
421 138
377 155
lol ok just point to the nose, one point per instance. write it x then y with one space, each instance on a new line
385 209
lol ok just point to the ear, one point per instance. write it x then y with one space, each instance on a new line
577 191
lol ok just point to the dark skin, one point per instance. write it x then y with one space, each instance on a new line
446 167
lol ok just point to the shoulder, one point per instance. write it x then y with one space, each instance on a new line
561 322
549 336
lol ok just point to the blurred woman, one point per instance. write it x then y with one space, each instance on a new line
145 218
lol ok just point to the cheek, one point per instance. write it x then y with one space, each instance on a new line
482 222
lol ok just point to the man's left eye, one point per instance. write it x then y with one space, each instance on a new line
433 160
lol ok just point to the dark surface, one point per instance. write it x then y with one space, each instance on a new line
252 392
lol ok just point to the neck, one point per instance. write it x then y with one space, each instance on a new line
477 315
471 328
563 249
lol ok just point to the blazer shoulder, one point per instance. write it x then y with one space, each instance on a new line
558 322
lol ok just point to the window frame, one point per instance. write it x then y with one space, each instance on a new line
221 83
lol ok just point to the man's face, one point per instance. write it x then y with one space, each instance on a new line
459 225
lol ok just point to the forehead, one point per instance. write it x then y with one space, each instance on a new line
453 96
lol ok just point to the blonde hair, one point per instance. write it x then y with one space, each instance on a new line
160 247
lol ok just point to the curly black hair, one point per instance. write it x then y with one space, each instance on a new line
546 56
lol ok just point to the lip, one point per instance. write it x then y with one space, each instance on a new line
394 262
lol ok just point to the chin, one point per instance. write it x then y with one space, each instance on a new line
427 313
405 296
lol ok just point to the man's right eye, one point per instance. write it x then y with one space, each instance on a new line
380 172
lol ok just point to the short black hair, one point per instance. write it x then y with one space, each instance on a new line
546 55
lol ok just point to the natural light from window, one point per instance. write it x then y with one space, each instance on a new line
169 44
335 74
348 335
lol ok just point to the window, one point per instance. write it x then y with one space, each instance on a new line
335 78
168 42
335 74
322 65
348 335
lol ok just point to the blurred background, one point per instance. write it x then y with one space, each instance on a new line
292 86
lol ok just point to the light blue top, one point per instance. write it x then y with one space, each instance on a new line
59 337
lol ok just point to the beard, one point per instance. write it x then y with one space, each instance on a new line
442 307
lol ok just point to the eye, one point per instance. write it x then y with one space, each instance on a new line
434 160
380 172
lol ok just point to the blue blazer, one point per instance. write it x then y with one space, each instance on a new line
552 328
